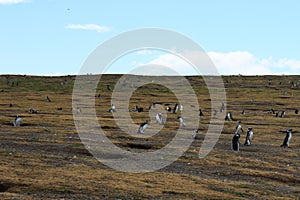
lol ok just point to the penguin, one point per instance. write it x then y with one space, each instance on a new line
182 121
222 107
243 112
169 109
175 108
17 122
112 108
235 142
287 138
272 111
249 137
200 113
277 114
48 99
282 114
229 116
181 108
195 132
296 111
32 111
238 127
142 127
159 118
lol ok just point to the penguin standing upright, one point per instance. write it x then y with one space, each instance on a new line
249 137
235 142
287 138
175 108
17 121
159 118
238 127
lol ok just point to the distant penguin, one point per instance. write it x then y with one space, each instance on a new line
282 114
159 118
181 108
142 127
243 112
277 114
175 108
249 137
222 107
195 133
17 122
238 127
32 111
229 116
182 121
169 109
112 108
48 99
287 138
200 113
235 142
272 111
296 111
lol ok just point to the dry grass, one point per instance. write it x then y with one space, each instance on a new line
45 159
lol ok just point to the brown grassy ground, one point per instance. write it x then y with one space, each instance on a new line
45 159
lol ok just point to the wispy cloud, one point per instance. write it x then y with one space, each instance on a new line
234 63
12 1
91 27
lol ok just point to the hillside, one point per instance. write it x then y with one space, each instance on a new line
44 158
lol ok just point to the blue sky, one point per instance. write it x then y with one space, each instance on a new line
54 37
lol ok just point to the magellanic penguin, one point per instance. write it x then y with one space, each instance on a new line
235 142
287 138
249 137
159 118
17 121
143 126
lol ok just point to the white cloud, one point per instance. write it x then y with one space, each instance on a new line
92 27
234 63
12 1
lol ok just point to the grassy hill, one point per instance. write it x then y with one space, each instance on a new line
45 158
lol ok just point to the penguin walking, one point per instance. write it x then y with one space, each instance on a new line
287 138
142 127
182 121
235 142
159 118
17 122
249 137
